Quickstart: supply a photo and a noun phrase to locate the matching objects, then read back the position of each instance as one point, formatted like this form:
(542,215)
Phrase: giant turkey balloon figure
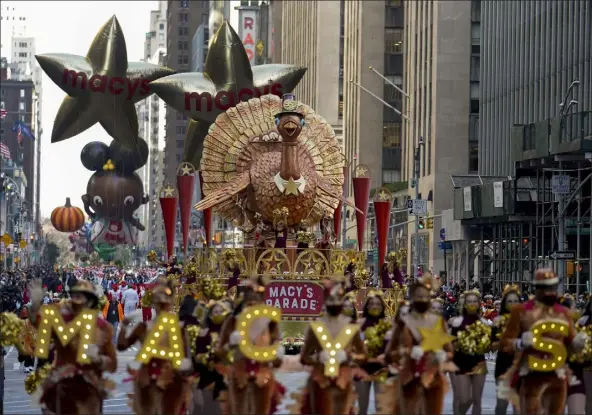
(113,193)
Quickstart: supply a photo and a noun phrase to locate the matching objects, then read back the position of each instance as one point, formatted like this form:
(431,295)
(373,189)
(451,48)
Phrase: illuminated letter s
(552,347)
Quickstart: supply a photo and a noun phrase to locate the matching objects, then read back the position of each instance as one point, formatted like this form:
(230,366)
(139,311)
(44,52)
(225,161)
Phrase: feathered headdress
(334,287)
(510,288)
(428,281)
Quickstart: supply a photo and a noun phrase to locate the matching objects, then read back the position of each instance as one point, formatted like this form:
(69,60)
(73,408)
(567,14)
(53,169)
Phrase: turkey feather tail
(225,193)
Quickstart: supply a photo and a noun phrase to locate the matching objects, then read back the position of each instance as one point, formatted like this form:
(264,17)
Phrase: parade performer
(531,383)
(374,327)
(437,306)
(503,361)
(280,217)
(113,313)
(421,347)
(27,336)
(146,304)
(583,361)
(129,299)
(473,340)
(203,341)
(71,387)
(349,306)
(387,401)
(578,362)
(252,388)
(331,391)
(158,387)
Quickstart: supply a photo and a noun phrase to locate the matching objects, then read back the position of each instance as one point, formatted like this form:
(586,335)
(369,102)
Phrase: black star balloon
(228,79)
(101,86)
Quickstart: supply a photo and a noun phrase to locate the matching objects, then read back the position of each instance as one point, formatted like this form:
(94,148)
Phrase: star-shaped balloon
(228,79)
(101,86)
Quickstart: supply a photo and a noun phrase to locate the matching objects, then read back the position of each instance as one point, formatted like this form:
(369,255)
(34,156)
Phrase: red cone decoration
(361,184)
(337,222)
(383,202)
(168,204)
(185,185)
(207,214)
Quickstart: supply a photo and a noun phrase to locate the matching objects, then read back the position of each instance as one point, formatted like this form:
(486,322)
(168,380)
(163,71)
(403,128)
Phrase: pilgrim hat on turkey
(545,277)
(289,106)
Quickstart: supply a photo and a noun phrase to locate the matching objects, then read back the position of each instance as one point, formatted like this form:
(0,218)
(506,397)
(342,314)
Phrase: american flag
(5,151)
(3,113)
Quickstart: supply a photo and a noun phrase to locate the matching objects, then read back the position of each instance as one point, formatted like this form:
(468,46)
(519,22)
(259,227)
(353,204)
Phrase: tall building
(156,38)
(532,52)
(311,38)
(183,19)
(439,44)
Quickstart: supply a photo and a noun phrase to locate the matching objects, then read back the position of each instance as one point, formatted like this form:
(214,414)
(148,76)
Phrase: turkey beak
(290,127)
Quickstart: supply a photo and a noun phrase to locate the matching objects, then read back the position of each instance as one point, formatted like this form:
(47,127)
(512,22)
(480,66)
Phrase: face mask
(549,300)
(334,310)
(471,309)
(374,312)
(348,312)
(421,306)
(218,319)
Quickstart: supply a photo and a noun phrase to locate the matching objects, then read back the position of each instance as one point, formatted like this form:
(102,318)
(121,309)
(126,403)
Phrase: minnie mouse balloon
(114,192)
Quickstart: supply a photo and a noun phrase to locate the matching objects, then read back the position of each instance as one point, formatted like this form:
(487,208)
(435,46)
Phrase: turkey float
(270,154)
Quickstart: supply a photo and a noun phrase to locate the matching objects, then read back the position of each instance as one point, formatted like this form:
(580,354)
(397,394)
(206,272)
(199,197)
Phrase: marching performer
(503,361)
(349,306)
(158,387)
(203,347)
(473,339)
(331,391)
(25,355)
(540,391)
(421,347)
(252,388)
(71,387)
(374,327)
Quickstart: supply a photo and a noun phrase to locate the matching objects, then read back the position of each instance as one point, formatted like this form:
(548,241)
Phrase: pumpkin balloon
(67,218)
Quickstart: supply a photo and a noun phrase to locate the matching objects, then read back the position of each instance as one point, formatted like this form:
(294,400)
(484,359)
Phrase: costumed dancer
(387,401)
(437,306)
(158,387)
(232,264)
(473,340)
(252,387)
(204,341)
(71,387)
(146,304)
(421,347)
(349,306)
(374,327)
(325,244)
(280,217)
(539,391)
(331,391)
(503,361)
(578,362)
(25,355)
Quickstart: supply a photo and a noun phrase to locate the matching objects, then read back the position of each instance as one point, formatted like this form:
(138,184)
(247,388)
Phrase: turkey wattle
(269,153)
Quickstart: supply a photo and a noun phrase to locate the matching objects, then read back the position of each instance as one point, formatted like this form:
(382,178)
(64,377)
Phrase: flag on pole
(21,131)
(5,151)
(3,113)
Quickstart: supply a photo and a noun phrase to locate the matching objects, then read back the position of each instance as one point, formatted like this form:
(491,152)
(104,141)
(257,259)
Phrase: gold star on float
(434,338)
(185,169)
(102,87)
(291,187)
(383,195)
(169,191)
(361,171)
(229,76)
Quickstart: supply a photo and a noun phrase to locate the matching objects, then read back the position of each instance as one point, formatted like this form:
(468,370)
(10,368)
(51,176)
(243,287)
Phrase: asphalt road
(17,401)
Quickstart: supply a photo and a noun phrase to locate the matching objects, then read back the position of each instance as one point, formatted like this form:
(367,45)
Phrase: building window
(180,143)
(474,106)
(391,176)
(22,93)
(21,106)
(179,158)
(393,40)
(161,26)
(185,59)
(161,36)
(184,4)
(391,135)
(180,59)
(179,116)
(475,68)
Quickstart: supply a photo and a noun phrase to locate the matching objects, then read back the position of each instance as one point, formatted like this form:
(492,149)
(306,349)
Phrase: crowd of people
(440,336)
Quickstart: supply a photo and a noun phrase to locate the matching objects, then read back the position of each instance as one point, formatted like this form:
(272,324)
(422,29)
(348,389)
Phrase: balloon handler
(542,333)
(113,193)
(72,387)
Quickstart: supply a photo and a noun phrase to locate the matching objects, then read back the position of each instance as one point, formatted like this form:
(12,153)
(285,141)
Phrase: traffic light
(421,224)
(430,223)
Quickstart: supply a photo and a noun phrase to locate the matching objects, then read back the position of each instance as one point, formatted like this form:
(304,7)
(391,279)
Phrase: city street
(17,401)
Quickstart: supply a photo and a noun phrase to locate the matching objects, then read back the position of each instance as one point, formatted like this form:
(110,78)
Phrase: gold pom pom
(374,337)
(474,339)
(10,328)
(34,380)
(584,356)
(151,257)
(147,299)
